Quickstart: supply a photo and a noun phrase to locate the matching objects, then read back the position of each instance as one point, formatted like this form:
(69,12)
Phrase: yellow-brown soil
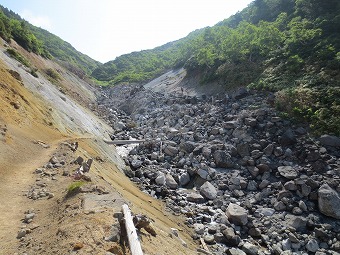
(61,224)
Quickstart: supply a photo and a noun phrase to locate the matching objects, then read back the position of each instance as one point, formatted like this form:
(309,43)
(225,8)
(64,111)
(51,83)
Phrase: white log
(134,243)
(122,142)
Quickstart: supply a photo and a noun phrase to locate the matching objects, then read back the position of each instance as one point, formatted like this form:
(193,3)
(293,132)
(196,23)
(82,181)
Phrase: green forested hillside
(146,64)
(291,46)
(294,30)
(43,43)
(65,53)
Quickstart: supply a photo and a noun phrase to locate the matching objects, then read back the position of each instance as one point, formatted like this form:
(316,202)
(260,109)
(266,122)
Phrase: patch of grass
(53,76)
(17,56)
(34,73)
(74,188)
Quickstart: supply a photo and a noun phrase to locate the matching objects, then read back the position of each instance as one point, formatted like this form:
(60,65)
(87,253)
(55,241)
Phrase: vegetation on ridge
(43,43)
(291,46)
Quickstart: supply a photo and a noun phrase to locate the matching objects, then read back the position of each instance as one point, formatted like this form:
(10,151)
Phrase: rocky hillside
(287,46)
(246,180)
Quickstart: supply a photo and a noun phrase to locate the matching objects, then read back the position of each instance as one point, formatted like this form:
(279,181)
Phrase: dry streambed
(247,181)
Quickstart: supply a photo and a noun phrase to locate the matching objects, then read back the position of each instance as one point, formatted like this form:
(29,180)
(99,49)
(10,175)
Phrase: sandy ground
(35,120)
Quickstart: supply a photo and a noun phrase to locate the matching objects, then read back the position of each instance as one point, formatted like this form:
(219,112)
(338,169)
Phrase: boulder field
(247,180)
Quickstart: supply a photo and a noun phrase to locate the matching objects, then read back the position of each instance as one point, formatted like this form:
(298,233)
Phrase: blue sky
(105,29)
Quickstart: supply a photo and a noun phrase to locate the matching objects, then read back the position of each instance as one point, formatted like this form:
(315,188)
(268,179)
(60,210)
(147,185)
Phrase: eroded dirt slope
(38,122)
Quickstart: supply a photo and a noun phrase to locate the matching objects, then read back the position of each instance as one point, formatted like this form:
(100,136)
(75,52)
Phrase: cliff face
(40,121)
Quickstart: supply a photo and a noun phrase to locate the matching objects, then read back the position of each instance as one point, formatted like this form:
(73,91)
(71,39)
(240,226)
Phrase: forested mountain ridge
(291,46)
(44,43)
(266,29)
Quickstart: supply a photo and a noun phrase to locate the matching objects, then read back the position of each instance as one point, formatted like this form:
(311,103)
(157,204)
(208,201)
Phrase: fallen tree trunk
(134,243)
(122,142)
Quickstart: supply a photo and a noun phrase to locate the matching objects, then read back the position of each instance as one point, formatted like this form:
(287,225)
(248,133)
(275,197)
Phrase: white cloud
(39,21)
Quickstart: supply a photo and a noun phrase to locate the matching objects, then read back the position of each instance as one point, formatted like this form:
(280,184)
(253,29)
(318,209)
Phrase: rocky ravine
(248,181)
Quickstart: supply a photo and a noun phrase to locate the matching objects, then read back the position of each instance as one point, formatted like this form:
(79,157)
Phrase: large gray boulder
(288,172)
(170,151)
(222,159)
(329,201)
(206,173)
(287,138)
(160,179)
(237,214)
(187,146)
(330,140)
(170,182)
(184,179)
(208,191)
(240,93)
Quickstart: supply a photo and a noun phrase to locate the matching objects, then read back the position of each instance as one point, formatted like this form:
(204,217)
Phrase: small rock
(222,159)
(243,149)
(54,160)
(21,233)
(279,206)
(235,251)
(254,232)
(136,163)
(287,138)
(78,246)
(269,149)
(199,228)
(312,245)
(209,239)
(195,198)
(297,222)
(50,195)
(29,217)
(170,151)
(264,184)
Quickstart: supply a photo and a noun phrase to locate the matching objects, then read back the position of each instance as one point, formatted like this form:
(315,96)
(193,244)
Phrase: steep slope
(39,121)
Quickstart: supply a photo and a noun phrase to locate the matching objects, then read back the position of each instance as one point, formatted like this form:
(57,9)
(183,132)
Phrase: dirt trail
(20,156)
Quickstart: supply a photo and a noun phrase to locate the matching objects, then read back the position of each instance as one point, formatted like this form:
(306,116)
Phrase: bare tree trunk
(134,243)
